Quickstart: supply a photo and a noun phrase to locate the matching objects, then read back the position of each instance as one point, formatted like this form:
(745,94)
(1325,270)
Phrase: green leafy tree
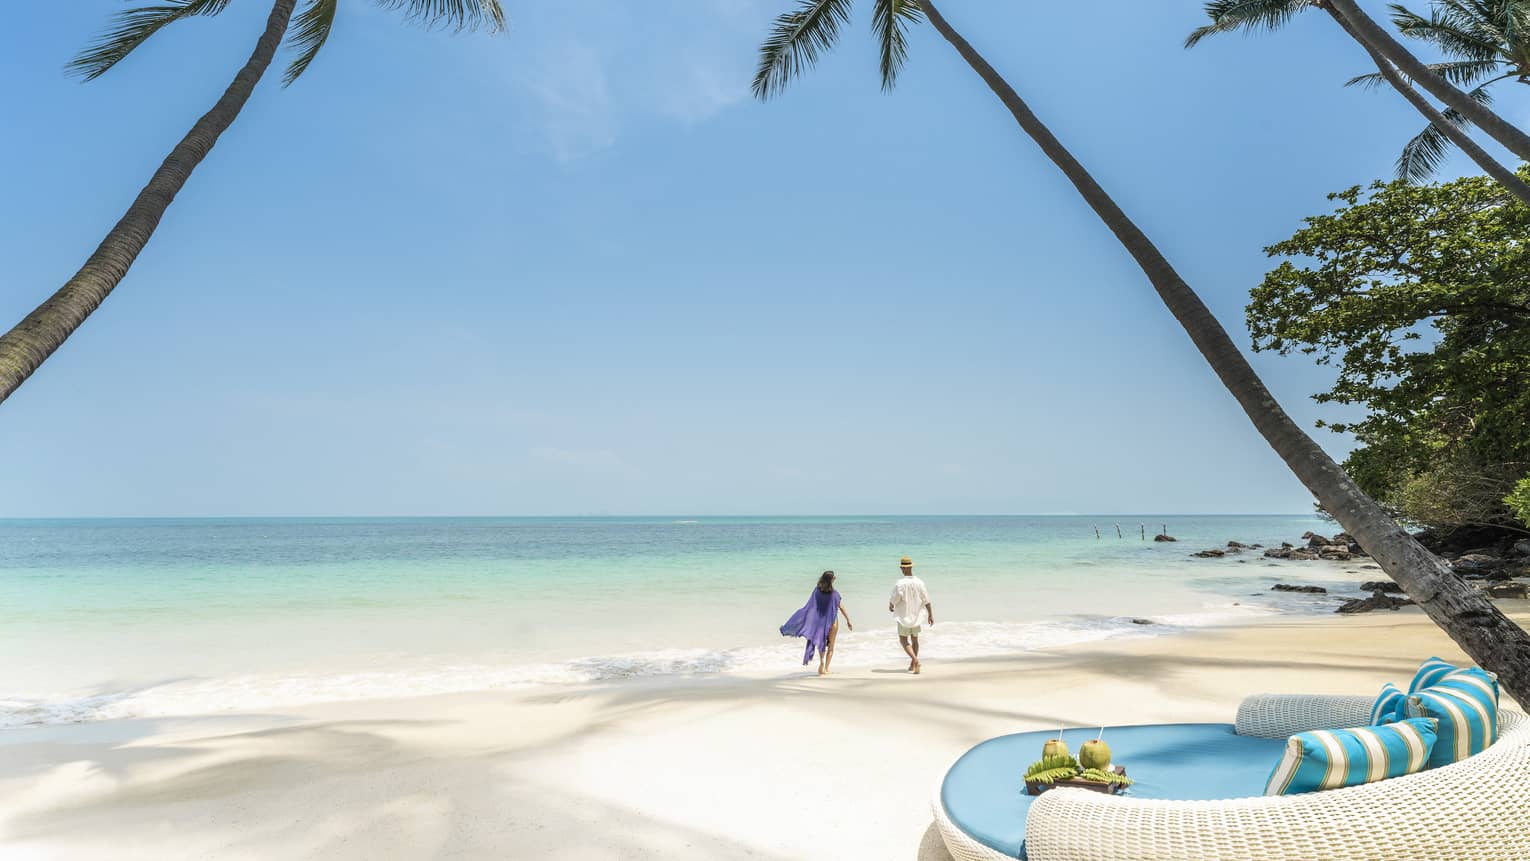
(1419,296)
(799,37)
(1424,152)
(1519,500)
(27,345)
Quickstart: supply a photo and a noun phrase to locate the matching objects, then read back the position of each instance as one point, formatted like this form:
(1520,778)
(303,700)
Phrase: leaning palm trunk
(1463,612)
(24,348)
(1368,33)
(1450,130)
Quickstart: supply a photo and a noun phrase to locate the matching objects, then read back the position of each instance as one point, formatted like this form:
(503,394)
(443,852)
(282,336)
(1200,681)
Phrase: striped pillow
(1465,703)
(1331,758)
(1430,672)
(1389,706)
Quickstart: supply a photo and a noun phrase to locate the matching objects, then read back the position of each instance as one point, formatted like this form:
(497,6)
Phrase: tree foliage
(1519,501)
(1420,297)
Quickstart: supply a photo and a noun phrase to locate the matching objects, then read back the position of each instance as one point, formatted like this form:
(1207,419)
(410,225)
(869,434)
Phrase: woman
(818,621)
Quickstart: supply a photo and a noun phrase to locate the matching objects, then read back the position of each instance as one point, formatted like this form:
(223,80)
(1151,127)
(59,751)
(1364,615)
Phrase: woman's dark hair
(826,582)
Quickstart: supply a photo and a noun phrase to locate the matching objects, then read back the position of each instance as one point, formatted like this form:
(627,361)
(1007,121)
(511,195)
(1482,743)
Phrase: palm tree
(794,44)
(26,346)
(1487,39)
(1369,33)
(1423,153)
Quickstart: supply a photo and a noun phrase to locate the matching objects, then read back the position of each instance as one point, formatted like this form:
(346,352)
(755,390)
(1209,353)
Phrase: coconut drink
(1094,753)
(1054,747)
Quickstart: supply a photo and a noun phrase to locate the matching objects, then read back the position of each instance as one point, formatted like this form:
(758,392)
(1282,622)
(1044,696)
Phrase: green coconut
(1055,747)
(1094,753)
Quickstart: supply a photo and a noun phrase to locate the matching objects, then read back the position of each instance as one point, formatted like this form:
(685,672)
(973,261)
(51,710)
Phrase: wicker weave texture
(1285,715)
(1474,810)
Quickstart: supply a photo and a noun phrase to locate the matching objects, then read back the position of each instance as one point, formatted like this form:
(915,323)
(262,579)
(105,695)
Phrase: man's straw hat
(905,562)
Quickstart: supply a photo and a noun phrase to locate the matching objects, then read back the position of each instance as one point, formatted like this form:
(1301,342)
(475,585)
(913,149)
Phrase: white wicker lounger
(1475,810)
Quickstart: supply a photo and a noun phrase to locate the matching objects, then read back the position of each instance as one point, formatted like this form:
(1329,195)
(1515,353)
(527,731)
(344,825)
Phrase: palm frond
(795,41)
(1450,29)
(1369,82)
(1422,155)
(1246,15)
(457,15)
(1461,73)
(132,28)
(889,18)
(310,29)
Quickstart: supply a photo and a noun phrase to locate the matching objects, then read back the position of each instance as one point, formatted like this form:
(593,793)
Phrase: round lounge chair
(1198,797)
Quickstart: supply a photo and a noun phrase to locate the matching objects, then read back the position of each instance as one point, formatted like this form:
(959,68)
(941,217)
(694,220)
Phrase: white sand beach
(782,767)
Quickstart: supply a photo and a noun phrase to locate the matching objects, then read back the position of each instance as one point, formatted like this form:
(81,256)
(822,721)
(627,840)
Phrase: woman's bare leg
(828,649)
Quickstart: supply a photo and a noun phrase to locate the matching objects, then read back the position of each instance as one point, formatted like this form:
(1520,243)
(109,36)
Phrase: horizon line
(590,516)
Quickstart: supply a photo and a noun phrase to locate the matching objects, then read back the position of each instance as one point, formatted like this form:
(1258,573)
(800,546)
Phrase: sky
(577,269)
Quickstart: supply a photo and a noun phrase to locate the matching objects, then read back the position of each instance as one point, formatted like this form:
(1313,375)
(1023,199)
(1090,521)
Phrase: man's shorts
(909,630)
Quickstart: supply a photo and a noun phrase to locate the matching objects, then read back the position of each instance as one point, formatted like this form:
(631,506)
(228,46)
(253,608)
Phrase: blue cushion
(1331,758)
(1430,672)
(1389,706)
(984,792)
(1465,702)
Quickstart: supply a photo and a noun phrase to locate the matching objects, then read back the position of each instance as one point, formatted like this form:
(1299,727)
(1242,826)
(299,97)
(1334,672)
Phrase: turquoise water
(115,618)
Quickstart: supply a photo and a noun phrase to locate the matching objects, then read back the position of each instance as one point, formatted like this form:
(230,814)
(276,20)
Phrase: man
(908,598)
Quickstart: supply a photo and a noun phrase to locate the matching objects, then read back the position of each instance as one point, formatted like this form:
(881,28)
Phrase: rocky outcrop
(1520,548)
(1340,548)
(1377,601)
(1381,586)
(1210,554)
(1289,587)
(1162,537)
(1511,589)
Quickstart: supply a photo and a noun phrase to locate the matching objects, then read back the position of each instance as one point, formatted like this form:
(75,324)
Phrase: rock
(1304,553)
(1210,554)
(1381,586)
(1236,545)
(1521,548)
(1334,552)
(1371,567)
(1512,589)
(1285,544)
(1377,601)
(1255,546)
(1161,537)
(1288,587)
(1478,563)
(1315,541)
(1140,621)
(1278,553)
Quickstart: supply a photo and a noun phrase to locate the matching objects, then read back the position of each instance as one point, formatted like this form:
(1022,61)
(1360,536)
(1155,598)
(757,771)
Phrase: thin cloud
(581,80)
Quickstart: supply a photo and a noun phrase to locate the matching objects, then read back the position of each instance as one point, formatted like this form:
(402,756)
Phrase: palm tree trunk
(1368,33)
(24,348)
(1462,611)
(1457,135)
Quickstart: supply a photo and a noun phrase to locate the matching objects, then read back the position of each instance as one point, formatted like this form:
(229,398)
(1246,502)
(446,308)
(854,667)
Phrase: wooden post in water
(1096,533)
(1142,527)
(1118,530)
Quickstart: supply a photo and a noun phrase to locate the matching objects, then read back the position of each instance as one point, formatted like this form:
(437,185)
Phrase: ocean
(138,618)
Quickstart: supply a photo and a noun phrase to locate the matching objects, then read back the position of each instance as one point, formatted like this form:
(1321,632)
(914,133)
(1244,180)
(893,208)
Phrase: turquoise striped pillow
(1389,706)
(1465,703)
(1430,672)
(1331,758)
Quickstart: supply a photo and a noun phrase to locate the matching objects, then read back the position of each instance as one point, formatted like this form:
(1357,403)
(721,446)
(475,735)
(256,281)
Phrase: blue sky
(576,269)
